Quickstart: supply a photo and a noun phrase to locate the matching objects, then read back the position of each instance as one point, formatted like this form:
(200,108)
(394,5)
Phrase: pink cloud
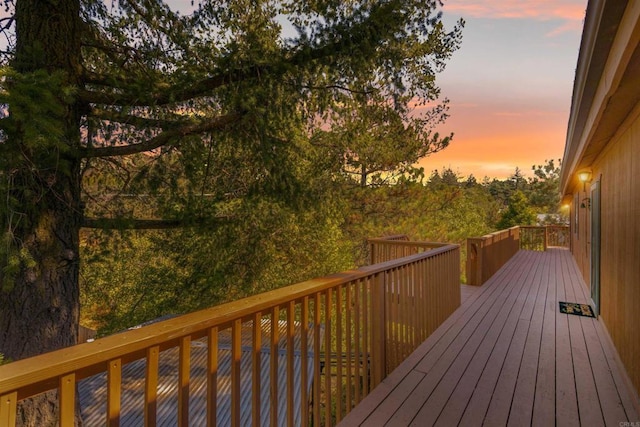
(508,114)
(567,27)
(569,10)
(525,113)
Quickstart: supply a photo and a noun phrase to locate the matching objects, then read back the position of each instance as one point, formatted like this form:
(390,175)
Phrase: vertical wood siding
(618,169)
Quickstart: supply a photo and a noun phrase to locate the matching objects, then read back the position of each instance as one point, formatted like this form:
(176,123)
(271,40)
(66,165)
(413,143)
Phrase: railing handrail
(544,226)
(495,233)
(392,247)
(400,237)
(41,373)
(430,245)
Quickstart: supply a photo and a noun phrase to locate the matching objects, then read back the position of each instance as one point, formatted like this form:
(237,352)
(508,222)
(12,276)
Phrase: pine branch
(151,224)
(341,43)
(129,119)
(165,138)
(161,94)
(131,224)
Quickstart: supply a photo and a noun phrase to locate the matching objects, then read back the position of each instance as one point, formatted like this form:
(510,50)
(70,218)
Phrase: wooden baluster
(392,293)
(8,409)
(151,387)
(236,361)
(316,359)
(291,330)
(339,358)
(411,297)
(366,331)
(304,362)
(349,335)
(422,307)
(402,315)
(67,399)
(184,362)
(327,358)
(212,378)
(256,376)
(273,364)
(377,327)
(114,384)
(357,332)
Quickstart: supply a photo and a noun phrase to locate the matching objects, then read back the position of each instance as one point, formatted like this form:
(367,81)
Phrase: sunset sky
(509,85)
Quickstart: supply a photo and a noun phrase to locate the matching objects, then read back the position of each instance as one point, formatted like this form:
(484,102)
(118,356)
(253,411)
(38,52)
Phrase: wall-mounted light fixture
(584,176)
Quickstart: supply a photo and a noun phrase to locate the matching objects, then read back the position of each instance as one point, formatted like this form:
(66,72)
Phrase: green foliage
(438,211)
(518,212)
(32,96)
(542,190)
(4,360)
(450,209)
(220,123)
(32,144)
(544,187)
(131,277)
(13,258)
(264,204)
(357,66)
(36,103)
(376,144)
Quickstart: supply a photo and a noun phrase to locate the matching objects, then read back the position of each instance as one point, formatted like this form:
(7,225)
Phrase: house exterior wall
(618,170)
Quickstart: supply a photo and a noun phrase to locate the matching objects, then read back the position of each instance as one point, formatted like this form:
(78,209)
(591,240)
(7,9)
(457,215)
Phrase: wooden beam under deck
(508,356)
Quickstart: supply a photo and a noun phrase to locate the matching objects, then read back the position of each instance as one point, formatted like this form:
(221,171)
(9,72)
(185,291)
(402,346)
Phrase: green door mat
(577,309)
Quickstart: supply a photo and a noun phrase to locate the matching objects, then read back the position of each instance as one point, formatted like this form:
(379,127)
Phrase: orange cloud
(492,141)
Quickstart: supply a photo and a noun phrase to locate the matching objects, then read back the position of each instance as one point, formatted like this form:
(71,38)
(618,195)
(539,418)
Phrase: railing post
(378,341)
(546,237)
(474,261)
(372,248)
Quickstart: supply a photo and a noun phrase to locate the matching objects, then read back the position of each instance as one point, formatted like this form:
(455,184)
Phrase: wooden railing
(557,236)
(533,238)
(393,247)
(351,328)
(539,238)
(487,254)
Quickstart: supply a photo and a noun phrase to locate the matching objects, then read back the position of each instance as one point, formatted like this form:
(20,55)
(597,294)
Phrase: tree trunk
(39,301)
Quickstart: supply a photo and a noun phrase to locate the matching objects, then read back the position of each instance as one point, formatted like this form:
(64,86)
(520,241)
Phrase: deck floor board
(451,356)
(489,355)
(507,356)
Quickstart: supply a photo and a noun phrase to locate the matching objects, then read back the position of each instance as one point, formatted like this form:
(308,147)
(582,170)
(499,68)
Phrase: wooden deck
(507,356)
(466,291)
